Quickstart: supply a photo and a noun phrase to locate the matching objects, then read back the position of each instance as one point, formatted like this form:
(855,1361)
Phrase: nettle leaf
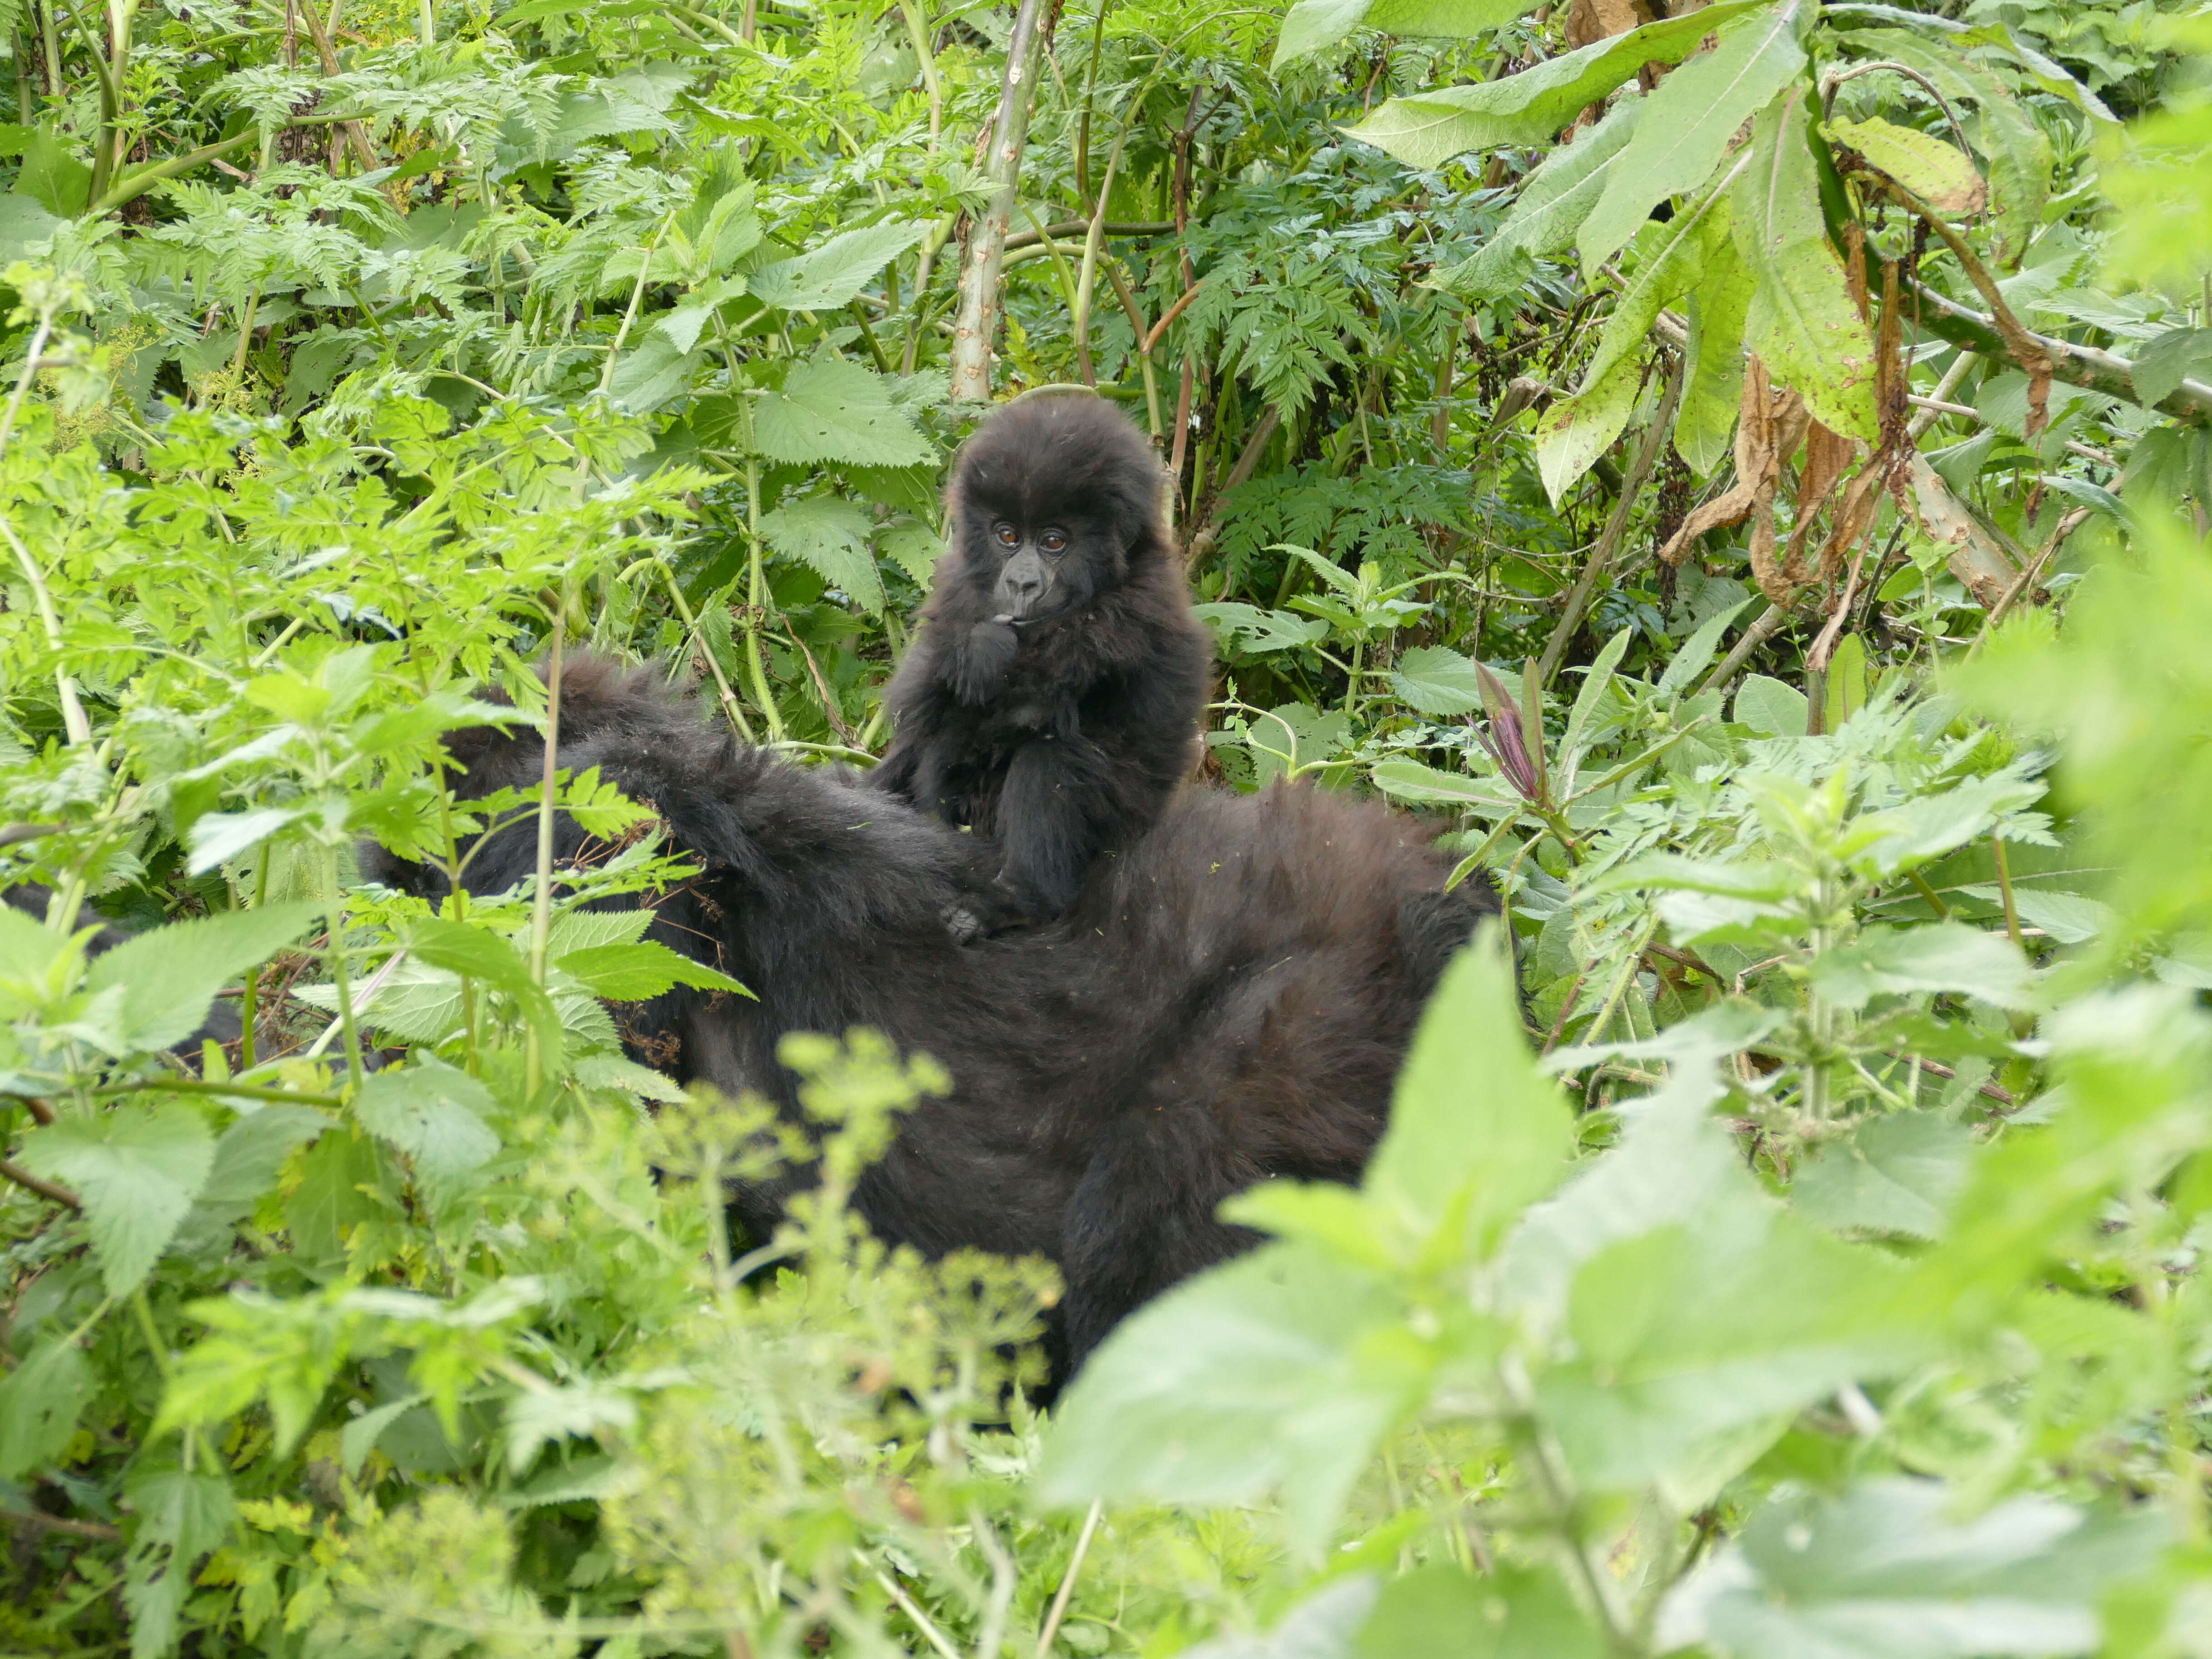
(1883,1571)
(169,976)
(833,411)
(1432,128)
(2164,361)
(137,1169)
(830,535)
(633,972)
(1929,166)
(1553,202)
(434,1114)
(39,1403)
(913,547)
(1314,26)
(1802,321)
(1509,1613)
(1944,956)
(656,369)
(832,275)
(1898,1174)
(1410,779)
(1436,680)
(1689,122)
(250,1154)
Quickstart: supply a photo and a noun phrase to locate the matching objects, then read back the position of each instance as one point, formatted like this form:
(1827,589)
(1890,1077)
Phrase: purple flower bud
(1505,742)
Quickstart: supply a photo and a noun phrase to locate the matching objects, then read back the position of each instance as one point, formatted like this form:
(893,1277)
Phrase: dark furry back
(1228,1000)
(1069,740)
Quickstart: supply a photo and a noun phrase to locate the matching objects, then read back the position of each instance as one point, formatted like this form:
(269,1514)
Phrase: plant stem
(334,910)
(976,324)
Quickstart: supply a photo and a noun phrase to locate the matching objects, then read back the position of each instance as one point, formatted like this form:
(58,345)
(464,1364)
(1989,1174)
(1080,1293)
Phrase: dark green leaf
(39,1403)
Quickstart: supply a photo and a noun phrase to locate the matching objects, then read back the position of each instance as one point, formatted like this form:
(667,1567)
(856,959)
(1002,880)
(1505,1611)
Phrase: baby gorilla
(1052,697)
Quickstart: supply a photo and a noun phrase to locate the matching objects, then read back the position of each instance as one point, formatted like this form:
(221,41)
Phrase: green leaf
(830,534)
(138,1169)
(53,177)
(1712,385)
(1271,1370)
(1321,1626)
(633,972)
(1475,1134)
(252,1152)
(1929,166)
(683,325)
(1699,650)
(1509,1613)
(1943,955)
(830,277)
(476,953)
(651,372)
(1900,1569)
(342,1180)
(23,221)
(2163,362)
(913,547)
(39,1403)
(1314,26)
(1553,202)
(1846,683)
(169,976)
(1255,632)
(1689,121)
(1436,680)
(1577,429)
(1410,779)
(434,1114)
(1431,128)
(1771,707)
(833,411)
(1803,320)
(1897,1175)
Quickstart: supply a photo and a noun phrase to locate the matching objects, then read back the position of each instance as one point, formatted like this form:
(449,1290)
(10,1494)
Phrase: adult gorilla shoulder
(1228,1000)
(1052,697)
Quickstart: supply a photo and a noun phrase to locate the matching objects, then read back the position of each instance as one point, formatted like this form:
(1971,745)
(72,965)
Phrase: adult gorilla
(1227,1000)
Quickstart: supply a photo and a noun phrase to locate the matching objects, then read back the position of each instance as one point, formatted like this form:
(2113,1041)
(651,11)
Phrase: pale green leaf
(1509,1612)
(1930,168)
(1712,383)
(833,411)
(39,1403)
(434,1114)
(830,535)
(1315,25)
(634,972)
(1943,955)
(830,277)
(1436,680)
(169,976)
(138,1169)
(1411,780)
(1550,208)
(1897,1175)
(1770,707)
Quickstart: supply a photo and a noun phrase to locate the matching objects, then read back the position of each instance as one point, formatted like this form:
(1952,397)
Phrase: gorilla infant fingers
(1227,1000)
(1058,678)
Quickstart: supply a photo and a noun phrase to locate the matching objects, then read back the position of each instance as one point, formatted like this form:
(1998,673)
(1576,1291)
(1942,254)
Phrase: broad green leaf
(1430,129)
(1276,1369)
(1512,1612)
(1576,430)
(833,411)
(653,371)
(361,1434)
(1411,780)
(1255,632)
(2067,917)
(2162,363)
(1689,121)
(169,976)
(250,1154)
(52,177)
(1929,826)
(1475,1134)
(827,278)
(475,953)
(416,1001)
(39,1403)
(218,837)
(1552,201)
(1896,1568)
(434,1114)
(1846,682)
(342,1182)
(1803,321)
(1944,956)
(1712,385)
(633,972)
(1321,1626)
(138,1169)
(1436,680)
(1699,650)
(1315,25)
(1897,1175)
(830,535)
(683,325)
(1592,694)
(1932,168)
(1770,707)
(913,547)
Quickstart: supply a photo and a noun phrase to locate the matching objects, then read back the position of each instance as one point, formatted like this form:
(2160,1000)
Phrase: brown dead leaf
(1768,428)
(1589,21)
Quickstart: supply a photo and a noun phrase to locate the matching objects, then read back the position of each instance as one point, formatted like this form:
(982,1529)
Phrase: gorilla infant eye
(1007,534)
(1054,541)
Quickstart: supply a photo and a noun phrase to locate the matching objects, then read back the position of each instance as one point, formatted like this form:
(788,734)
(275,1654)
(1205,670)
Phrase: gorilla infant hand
(978,671)
(1051,699)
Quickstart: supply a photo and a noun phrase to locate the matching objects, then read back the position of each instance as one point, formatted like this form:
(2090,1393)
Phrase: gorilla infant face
(1043,570)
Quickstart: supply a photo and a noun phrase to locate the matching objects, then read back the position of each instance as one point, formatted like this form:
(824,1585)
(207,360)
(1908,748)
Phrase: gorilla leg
(1048,820)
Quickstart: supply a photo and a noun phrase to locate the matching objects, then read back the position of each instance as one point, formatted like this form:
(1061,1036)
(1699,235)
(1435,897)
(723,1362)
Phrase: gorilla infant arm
(1052,697)
(1228,1000)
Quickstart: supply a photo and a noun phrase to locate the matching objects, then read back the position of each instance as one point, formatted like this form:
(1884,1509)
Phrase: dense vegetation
(1769,527)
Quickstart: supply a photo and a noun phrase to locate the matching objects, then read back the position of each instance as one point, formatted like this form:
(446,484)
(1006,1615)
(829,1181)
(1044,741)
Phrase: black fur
(1228,1000)
(1052,697)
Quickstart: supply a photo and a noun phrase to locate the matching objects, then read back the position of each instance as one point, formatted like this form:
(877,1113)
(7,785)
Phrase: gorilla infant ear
(1054,691)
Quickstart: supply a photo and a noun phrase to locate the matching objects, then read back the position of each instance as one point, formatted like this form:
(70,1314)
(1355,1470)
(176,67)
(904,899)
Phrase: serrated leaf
(1431,128)
(1929,166)
(1436,680)
(1553,202)
(1943,956)
(1691,118)
(252,1152)
(434,1114)
(1803,320)
(39,1403)
(654,370)
(832,275)
(832,536)
(1897,1175)
(169,976)
(833,411)
(138,1170)
(913,547)
(2162,363)
(1255,632)
(634,972)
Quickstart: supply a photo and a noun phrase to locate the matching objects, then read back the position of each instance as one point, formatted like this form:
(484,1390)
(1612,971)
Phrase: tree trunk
(977,323)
